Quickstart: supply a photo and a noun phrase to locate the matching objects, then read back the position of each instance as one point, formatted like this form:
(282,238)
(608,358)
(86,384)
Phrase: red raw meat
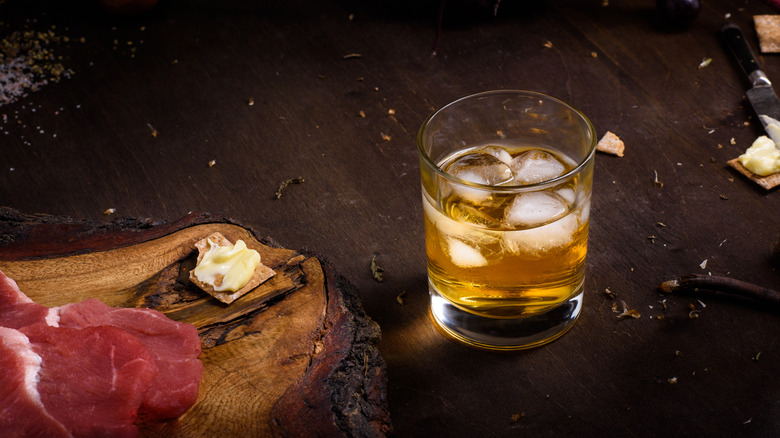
(23,413)
(17,310)
(175,347)
(91,380)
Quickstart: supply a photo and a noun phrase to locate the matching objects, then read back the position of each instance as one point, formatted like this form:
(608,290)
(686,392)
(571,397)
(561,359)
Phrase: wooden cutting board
(296,356)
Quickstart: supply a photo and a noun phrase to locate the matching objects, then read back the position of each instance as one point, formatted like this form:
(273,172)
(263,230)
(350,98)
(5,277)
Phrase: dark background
(189,70)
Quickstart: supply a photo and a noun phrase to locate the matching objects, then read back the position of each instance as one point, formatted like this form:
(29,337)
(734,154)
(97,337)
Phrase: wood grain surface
(335,91)
(259,353)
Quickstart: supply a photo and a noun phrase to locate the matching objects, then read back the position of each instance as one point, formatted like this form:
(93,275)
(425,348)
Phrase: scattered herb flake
(155,133)
(376,270)
(109,211)
(672,380)
(705,62)
(548,44)
(755,358)
(609,293)
(362,114)
(282,186)
(212,163)
(633,313)
(385,137)
(400,298)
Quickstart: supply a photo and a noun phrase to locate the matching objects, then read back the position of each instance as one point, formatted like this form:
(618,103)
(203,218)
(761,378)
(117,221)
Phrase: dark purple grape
(677,13)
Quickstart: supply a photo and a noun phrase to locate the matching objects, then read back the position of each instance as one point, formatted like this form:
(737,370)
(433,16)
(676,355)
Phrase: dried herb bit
(287,183)
(672,380)
(632,313)
(610,294)
(155,133)
(212,163)
(376,270)
(400,298)
(109,211)
(517,416)
(755,358)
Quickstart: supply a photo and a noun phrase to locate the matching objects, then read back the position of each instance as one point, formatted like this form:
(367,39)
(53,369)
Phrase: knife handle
(735,41)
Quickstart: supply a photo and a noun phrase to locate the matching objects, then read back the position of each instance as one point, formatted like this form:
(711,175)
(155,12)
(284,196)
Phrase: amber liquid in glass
(507,255)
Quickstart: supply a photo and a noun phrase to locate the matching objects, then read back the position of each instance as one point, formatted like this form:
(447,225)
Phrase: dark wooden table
(335,91)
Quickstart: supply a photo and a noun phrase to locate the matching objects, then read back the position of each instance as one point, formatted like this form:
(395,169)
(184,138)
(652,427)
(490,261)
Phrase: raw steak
(17,310)
(23,413)
(174,346)
(90,380)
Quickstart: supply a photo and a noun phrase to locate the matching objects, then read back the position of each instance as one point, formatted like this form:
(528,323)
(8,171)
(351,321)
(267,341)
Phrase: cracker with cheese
(227,271)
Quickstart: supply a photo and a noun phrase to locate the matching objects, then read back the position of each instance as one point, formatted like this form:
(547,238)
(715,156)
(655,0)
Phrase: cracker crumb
(768,30)
(611,144)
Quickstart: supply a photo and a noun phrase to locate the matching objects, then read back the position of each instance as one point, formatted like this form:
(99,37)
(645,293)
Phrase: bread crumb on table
(611,144)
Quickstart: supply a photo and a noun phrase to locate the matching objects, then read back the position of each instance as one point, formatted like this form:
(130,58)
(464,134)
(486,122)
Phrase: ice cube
(480,168)
(464,255)
(450,228)
(567,194)
(466,213)
(500,153)
(537,241)
(534,208)
(535,166)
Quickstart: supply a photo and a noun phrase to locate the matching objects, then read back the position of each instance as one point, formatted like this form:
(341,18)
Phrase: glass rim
(509,188)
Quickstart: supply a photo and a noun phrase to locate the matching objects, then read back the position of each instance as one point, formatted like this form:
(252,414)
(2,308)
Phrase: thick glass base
(505,334)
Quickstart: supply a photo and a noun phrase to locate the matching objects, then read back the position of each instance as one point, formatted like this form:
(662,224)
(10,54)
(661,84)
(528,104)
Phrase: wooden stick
(695,282)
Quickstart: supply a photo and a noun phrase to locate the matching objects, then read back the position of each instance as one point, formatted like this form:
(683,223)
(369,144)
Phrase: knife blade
(761,95)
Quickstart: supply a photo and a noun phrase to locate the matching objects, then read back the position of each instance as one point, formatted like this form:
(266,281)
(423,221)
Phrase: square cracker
(611,144)
(261,274)
(768,182)
(768,30)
